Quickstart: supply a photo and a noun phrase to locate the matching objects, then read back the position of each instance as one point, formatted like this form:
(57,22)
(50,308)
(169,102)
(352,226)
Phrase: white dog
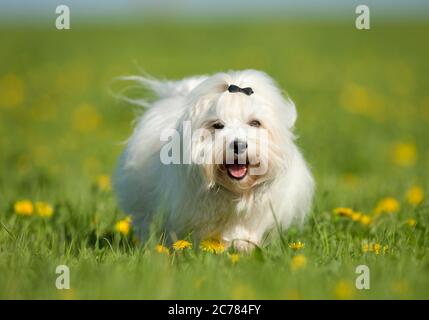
(230,182)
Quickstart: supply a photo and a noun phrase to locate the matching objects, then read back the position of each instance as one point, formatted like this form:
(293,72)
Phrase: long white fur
(190,202)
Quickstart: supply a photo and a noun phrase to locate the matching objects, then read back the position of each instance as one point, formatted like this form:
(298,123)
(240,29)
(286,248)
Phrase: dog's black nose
(239,146)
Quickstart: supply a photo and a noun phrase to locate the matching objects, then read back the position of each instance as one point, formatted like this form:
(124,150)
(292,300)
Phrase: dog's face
(239,141)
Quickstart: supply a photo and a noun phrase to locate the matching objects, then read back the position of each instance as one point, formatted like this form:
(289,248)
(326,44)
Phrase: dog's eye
(254,123)
(218,125)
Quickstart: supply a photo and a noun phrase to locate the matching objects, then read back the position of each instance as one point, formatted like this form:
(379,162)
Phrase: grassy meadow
(363,125)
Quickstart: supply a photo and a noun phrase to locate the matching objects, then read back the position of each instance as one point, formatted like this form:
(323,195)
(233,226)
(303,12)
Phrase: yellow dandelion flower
(181,245)
(360,100)
(343,290)
(387,205)
(243,292)
(400,287)
(405,154)
(356,216)
(198,283)
(162,249)
(376,248)
(411,222)
(298,262)
(415,195)
(344,212)
(297,245)
(44,209)
(24,208)
(104,183)
(68,294)
(293,295)
(365,220)
(366,247)
(234,257)
(123,226)
(11,91)
(212,246)
(86,119)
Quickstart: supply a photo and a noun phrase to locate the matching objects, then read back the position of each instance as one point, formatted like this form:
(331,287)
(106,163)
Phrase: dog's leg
(241,238)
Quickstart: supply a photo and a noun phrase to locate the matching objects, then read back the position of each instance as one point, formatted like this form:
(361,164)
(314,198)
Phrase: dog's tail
(163,89)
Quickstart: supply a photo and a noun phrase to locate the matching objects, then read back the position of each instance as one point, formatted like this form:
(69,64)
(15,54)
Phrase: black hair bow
(233,88)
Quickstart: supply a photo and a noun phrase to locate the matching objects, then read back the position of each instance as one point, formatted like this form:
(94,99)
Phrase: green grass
(358,93)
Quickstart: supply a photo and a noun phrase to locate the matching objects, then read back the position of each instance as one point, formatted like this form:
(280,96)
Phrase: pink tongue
(237,170)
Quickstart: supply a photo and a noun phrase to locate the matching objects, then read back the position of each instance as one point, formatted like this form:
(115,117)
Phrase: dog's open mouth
(236,171)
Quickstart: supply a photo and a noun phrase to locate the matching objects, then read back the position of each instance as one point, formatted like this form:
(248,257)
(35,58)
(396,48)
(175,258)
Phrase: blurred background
(361,95)
(131,11)
(362,98)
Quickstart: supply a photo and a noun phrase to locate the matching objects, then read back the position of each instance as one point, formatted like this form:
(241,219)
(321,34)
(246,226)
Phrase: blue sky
(123,9)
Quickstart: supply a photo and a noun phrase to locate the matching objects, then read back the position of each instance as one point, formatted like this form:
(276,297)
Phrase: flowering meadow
(363,124)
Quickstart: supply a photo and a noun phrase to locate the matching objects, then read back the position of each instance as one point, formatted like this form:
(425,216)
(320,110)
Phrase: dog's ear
(291,113)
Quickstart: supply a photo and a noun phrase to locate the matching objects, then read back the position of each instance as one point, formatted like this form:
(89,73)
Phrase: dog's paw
(245,246)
